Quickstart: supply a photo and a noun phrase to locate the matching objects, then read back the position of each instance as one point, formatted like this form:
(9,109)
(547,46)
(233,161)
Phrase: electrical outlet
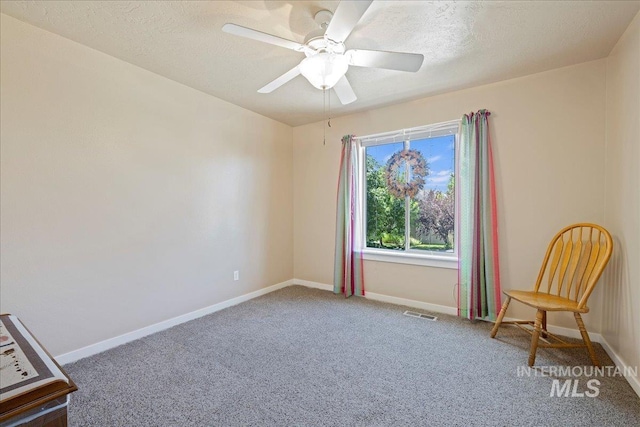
(236,275)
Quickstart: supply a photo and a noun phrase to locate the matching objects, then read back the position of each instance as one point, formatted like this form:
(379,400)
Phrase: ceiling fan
(327,59)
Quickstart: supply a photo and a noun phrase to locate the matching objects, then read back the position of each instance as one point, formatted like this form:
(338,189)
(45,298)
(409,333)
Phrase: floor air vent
(420,315)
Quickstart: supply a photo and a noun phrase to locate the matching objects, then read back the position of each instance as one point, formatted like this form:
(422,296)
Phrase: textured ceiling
(464,43)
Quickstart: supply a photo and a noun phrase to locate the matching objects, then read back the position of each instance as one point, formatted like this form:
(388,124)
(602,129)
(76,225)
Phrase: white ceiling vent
(420,315)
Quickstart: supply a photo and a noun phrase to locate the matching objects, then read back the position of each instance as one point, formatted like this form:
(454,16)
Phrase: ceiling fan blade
(388,60)
(344,91)
(345,18)
(289,75)
(262,37)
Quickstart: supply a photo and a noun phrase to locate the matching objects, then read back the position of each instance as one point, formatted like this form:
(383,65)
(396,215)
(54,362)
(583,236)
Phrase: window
(418,228)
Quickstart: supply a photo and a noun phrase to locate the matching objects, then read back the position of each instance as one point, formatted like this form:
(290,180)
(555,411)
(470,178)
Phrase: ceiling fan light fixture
(324,69)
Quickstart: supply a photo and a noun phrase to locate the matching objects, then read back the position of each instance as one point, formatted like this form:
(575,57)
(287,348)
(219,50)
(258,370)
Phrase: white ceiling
(464,44)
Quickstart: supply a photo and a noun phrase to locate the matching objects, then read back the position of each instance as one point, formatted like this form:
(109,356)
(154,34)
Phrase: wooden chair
(574,261)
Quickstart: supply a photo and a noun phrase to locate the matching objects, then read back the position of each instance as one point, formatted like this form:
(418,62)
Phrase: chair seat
(546,302)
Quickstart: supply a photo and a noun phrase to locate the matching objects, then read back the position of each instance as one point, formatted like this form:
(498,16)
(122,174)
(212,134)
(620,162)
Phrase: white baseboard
(315,285)
(573,333)
(385,298)
(107,344)
(634,382)
(412,303)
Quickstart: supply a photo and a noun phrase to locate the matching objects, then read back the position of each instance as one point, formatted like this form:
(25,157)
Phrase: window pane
(385,213)
(432,213)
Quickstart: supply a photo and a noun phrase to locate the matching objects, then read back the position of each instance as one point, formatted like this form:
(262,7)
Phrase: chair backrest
(574,261)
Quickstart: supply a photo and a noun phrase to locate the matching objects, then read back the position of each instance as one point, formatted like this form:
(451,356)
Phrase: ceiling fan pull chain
(329,121)
(324,112)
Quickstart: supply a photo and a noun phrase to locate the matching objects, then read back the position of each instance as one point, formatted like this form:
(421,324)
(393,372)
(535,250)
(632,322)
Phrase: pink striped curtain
(478,260)
(348,274)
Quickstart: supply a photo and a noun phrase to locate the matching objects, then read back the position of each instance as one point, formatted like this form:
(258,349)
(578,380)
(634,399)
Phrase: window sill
(437,261)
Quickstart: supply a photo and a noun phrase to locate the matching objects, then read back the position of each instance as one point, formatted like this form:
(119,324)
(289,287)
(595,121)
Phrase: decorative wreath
(411,159)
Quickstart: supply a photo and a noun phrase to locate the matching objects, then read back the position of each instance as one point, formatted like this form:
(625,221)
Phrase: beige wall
(127,198)
(548,137)
(621,318)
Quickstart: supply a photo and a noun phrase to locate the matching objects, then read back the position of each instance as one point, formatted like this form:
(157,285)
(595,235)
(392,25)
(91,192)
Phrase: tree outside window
(424,222)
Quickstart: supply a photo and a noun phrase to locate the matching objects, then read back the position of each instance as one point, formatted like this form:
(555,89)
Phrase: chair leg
(585,338)
(544,325)
(503,310)
(537,329)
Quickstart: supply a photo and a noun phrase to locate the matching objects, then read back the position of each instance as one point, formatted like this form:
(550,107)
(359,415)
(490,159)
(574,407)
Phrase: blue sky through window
(438,152)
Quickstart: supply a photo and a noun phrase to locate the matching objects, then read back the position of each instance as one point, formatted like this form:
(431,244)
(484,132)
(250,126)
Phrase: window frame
(408,255)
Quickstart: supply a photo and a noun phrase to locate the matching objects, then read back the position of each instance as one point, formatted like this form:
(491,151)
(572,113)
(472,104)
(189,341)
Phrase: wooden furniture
(34,389)
(574,261)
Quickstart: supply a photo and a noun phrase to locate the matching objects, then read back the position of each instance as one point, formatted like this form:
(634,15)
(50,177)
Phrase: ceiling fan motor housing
(320,44)
(316,39)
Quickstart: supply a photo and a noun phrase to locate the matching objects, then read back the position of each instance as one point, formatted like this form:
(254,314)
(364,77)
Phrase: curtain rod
(404,132)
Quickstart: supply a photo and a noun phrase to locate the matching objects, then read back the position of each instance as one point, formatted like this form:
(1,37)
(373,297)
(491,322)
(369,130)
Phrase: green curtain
(478,259)
(348,268)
